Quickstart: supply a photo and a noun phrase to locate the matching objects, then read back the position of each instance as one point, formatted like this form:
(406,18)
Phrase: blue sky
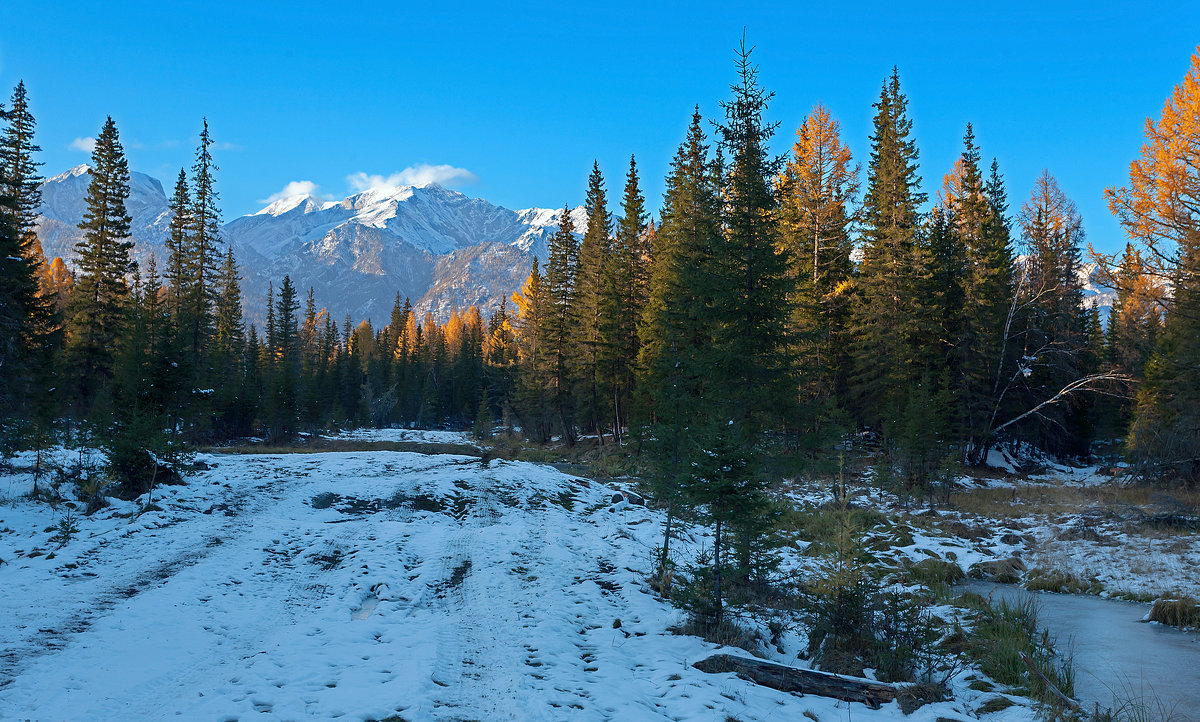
(521,99)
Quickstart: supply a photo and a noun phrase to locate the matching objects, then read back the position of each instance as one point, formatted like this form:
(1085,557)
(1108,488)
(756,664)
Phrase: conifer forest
(845,391)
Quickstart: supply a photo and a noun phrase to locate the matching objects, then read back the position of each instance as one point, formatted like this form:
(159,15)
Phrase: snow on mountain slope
(63,206)
(360,585)
(438,247)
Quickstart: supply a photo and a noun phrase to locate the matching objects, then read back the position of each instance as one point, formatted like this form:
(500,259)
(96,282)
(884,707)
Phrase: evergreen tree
(140,450)
(562,320)
(531,399)
(594,335)
(204,237)
(232,407)
(28,318)
(99,304)
(748,384)
(286,355)
(673,331)
(179,245)
(625,294)
(890,324)
(978,302)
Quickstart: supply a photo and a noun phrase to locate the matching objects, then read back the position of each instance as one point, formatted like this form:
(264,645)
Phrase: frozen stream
(1115,652)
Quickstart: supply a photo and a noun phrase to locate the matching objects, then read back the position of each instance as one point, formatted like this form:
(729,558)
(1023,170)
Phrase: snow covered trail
(358,585)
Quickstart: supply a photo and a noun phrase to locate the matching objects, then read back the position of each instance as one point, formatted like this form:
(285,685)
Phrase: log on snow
(803,681)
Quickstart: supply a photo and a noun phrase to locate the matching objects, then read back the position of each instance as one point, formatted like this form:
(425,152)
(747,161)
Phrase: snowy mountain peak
(81,169)
(305,202)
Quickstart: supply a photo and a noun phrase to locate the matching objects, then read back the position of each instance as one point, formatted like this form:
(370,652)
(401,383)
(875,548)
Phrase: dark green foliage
(1165,437)
(591,340)
(562,319)
(137,435)
(28,320)
(890,321)
(98,311)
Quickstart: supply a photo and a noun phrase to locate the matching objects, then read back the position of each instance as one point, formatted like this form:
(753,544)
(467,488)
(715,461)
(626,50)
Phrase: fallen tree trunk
(803,681)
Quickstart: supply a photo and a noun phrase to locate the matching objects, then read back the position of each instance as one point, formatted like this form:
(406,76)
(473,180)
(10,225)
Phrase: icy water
(1115,652)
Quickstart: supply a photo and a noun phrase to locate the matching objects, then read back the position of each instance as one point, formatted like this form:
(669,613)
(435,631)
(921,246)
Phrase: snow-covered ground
(1087,528)
(361,585)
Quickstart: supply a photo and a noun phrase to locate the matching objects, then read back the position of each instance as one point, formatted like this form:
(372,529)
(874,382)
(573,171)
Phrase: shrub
(1182,612)
(935,572)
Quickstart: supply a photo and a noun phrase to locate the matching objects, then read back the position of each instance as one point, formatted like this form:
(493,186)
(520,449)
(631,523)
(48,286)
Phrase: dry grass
(1183,612)
(1132,503)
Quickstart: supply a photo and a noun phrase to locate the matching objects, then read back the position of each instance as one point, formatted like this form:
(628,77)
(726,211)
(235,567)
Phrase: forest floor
(379,576)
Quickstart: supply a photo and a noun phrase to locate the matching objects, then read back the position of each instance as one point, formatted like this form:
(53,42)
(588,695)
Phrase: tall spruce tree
(531,398)
(97,315)
(592,337)
(562,320)
(28,318)
(748,381)
(178,276)
(673,330)
(890,323)
(203,255)
(624,298)
(228,353)
(976,312)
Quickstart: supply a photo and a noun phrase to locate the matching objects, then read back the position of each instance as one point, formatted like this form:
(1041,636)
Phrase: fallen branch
(1087,383)
(1070,703)
(802,681)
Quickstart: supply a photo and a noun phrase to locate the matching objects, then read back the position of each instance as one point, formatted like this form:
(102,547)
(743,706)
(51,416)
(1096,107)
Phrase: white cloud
(295,188)
(87,145)
(415,175)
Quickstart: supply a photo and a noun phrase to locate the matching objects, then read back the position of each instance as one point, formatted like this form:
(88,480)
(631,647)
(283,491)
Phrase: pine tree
(178,244)
(593,335)
(99,304)
(228,353)
(286,354)
(202,258)
(890,324)
(562,320)
(28,317)
(625,294)
(748,384)
(532,398)
(139,448)
(978,298)
(673,331)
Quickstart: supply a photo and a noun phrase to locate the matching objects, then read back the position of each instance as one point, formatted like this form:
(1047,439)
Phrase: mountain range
(437,247)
